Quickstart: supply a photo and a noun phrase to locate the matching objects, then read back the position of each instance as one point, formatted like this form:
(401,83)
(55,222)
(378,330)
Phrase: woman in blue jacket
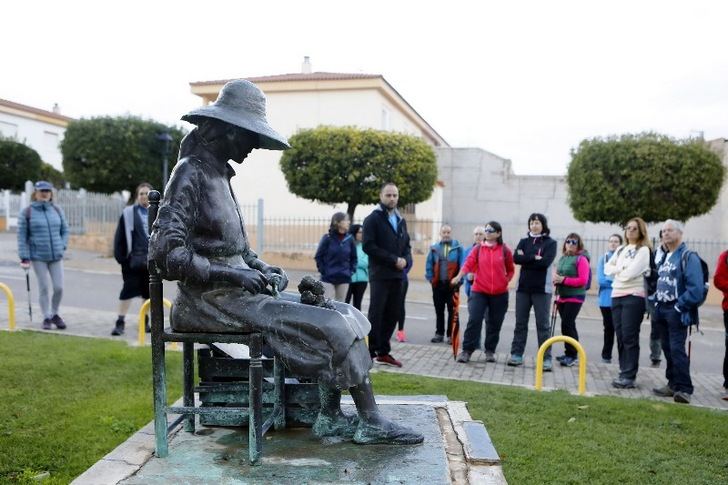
(360,278)
(605,298)
(336,257)
(42,240)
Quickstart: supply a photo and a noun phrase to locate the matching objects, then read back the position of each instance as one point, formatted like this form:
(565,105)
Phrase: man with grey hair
(678,295)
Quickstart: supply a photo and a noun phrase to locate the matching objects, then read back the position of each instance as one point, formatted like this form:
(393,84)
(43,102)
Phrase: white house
(307,100)
(39,129)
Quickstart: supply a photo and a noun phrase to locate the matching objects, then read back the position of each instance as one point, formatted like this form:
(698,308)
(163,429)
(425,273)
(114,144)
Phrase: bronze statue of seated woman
(199,239)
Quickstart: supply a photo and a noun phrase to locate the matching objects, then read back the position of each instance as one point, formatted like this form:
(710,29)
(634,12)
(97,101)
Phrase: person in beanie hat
(199,239)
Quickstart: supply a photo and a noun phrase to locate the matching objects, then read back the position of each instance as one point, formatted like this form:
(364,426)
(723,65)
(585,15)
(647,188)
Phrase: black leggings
(608,332)
(356,290)
(568,312)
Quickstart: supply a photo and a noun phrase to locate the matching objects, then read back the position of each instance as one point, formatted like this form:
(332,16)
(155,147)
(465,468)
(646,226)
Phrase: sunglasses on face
(490,230)
(575,242)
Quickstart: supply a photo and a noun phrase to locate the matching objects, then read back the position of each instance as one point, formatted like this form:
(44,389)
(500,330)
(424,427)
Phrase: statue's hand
(282,277)
(251,279)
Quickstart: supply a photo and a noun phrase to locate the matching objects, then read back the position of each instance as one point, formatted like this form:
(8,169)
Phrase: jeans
(384,311)
(627,312)
(356,290)
(673,335)
(568,312)
(443,296)
(49,275)
(725,358)
(608,332)
(480,304)
(540,303)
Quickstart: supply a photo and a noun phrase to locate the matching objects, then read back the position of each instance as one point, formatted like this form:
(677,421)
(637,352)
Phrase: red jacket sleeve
(510,268)
(721,273)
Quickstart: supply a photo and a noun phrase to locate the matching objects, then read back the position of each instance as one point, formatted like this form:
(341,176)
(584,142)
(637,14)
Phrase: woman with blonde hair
(628,266)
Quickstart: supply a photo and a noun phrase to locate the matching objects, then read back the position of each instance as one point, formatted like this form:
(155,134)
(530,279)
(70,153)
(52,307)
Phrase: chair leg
(279,388)
(159,383)
(255,396)
(188,357)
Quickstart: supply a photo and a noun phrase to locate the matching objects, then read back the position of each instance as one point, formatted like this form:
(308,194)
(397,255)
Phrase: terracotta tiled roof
(30,109)
(314,76)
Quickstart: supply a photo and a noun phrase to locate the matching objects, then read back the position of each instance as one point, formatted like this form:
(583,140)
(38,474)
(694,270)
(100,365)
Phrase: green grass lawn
(66,402)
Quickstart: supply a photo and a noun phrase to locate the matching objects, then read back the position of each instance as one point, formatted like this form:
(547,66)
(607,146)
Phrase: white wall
(42,137)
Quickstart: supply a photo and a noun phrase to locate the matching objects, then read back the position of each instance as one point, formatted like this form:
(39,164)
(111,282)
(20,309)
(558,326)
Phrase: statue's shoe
(342,425)
(388,433)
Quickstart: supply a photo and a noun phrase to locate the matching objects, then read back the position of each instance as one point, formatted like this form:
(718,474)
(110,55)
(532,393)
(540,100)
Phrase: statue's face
(241,143)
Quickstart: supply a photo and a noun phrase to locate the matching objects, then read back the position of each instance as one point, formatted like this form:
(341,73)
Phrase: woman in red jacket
(721,282)
(492,264)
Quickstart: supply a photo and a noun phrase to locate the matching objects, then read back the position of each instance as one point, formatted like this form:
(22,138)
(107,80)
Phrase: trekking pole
(554,311)
(27,287)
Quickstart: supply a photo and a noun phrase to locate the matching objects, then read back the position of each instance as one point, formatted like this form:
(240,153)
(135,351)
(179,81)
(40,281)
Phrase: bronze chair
(254,386)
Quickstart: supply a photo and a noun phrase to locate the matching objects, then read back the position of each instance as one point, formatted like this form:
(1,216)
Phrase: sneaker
(515,360)
(448,341)
(58,322)
(400,336)
(560,358)
(489,356)
(663,391)
(118,328)
(606,361)
(681,397)
(655,363)
(548,365)
(463,357)
(437,339)
(569,361)
(725,394)
(622,383)
(47,324)
(387,360)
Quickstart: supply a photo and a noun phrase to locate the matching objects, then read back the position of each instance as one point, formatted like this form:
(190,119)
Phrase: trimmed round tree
(348,165)
(108,154)
(18,163)
(647,175)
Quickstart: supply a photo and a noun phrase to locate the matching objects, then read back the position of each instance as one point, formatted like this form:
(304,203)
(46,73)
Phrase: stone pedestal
(456,450)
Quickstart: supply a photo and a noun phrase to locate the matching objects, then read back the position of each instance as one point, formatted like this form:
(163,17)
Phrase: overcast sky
(525,80)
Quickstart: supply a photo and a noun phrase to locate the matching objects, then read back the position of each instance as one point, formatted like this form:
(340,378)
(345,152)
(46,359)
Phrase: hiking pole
(554,311)
(27,287)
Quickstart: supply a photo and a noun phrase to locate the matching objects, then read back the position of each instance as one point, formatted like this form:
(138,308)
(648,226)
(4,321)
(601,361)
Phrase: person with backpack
(443,263)
(605,297)
(492,263)
(535,253)
(336,257)
(680,291)
(627,267)
(721,282)
(571,276)
(42,240)
(131,247)
(656,258)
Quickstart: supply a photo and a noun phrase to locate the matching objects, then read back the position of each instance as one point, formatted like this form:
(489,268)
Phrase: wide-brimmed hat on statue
(241,103)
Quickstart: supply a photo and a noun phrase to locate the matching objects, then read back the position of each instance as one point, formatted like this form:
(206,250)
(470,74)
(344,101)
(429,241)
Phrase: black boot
(147,327)
(118,327)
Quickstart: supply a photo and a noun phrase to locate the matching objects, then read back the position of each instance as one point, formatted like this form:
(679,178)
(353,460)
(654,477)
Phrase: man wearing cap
(199,239)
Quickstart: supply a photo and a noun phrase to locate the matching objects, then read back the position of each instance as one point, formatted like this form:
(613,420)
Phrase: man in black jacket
(387,243)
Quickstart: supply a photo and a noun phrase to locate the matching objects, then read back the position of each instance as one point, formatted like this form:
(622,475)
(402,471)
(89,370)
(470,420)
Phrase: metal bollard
(11,306)
(142,313)
(579,350)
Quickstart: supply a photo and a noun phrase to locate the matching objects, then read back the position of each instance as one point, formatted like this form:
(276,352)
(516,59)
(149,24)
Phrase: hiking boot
(58,322)
(622,383)
(655,363)
(663,391)
(569,361)
(437,339)
(681,397)
(725,394)
(489,356)
(548,365)
(47,324)
(401,336)
(118,328)
(464,357)
(387,360)
(515,360)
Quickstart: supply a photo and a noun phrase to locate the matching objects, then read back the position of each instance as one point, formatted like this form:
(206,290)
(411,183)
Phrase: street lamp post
(166,139)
